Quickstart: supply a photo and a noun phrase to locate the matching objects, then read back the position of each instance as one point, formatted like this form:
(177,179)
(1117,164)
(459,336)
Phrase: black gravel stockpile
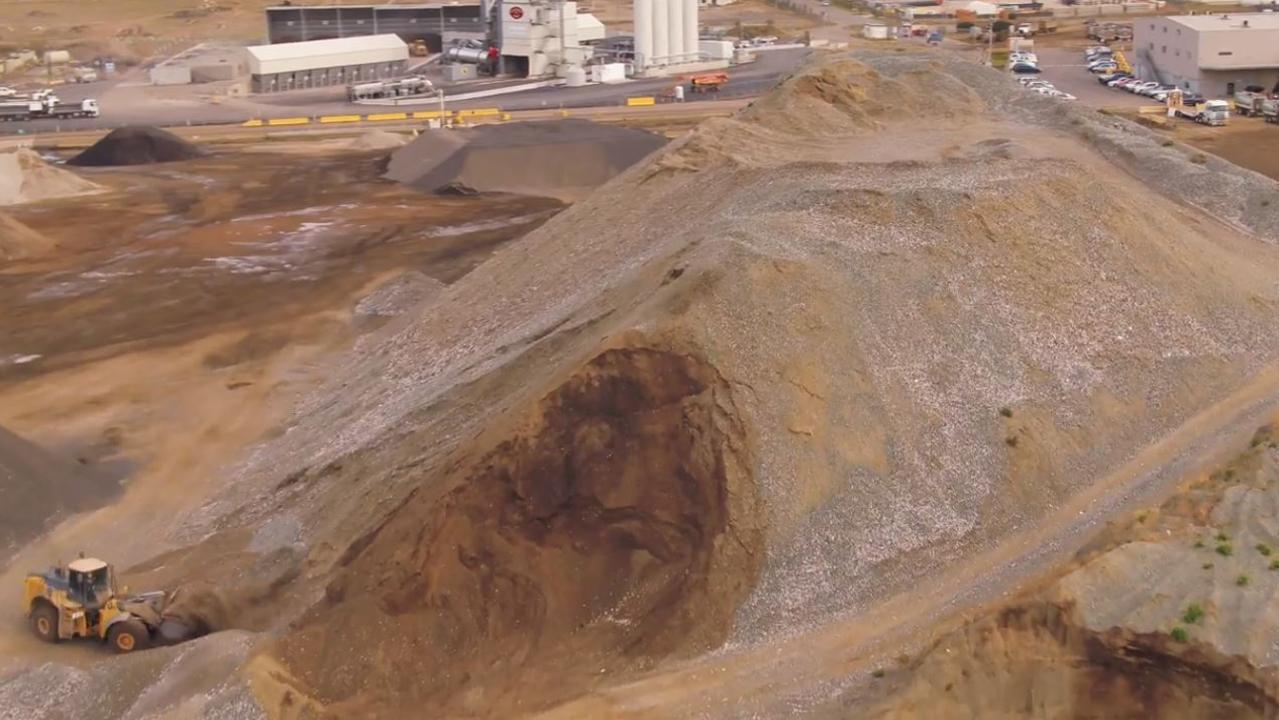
(138,145)
(566,159)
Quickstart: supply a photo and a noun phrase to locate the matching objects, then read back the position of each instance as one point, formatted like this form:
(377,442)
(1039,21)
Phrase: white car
(1061,95)
(7,92)
(1137,88)
(1023,56)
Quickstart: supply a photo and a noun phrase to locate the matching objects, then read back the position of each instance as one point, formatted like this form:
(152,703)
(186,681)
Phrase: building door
(1230,89)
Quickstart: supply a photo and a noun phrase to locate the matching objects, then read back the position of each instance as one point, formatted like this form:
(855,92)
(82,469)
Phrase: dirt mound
(137,145)
(26,177)
(564,159)
(769,381)
(595,535)
(19,242)
(378,140)
(38,488)
(1165,614)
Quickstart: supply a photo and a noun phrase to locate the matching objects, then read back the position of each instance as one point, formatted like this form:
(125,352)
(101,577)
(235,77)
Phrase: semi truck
(403,87)
(49,108)
(1213,112)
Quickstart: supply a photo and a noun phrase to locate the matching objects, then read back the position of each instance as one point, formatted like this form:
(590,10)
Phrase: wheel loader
(80,600)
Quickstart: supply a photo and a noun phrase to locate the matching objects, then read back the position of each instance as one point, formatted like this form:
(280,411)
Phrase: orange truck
(709,82)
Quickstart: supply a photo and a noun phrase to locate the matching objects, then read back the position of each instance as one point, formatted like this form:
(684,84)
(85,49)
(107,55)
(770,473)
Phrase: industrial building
(1209,54)
(428,22)
(317,63)
(542,38)
(205,63)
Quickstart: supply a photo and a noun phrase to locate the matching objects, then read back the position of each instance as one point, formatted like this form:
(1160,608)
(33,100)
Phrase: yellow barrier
(431,114)
(484,112)
(339,119)
(387,116)
(289,121)
(640,101)
(251,123)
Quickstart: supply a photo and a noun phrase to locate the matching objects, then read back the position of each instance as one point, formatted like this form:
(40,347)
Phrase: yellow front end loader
(80,600)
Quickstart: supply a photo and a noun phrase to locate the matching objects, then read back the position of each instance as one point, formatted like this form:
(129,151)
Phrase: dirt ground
(184,310)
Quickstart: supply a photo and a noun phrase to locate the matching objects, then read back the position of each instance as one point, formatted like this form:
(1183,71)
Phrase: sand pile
(1166,614)
(19,242)
(564,159)
(26,177)
(752,388)
(138,145)
(38,488)
(378,140)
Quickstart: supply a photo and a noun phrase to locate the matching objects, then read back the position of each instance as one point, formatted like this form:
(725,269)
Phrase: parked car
(1107,78)
(1192,99)
(1142,88)
(1062,95)
(1025,67)
(1021,56)
(1123,83)
(7,91)
(1161,93)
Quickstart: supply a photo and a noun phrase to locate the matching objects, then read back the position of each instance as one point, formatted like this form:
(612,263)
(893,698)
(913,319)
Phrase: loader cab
(90,582)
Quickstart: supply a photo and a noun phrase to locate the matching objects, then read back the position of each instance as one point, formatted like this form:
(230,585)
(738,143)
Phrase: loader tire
(44,622)
(128,636)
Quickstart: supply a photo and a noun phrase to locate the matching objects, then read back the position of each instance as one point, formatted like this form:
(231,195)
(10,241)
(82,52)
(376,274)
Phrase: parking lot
(1065,69)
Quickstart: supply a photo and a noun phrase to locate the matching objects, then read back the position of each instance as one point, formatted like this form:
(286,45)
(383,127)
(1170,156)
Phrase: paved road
(129,104)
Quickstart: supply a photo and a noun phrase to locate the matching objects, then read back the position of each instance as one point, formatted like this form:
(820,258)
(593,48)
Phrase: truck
(1213,112)
(1249,100)
(48,108)
(403,87)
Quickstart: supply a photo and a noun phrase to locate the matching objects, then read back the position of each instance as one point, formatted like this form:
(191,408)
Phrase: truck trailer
(1213,112)
(47,109)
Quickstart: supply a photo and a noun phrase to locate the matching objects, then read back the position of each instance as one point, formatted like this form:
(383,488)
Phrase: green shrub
(1207,566)
(1242,581)
(1194,613)
(1225,550)
(1006,411)
(1199,544)
(1179,634)
(1222,537)
(1274,564)
(877,673)
(1264,549)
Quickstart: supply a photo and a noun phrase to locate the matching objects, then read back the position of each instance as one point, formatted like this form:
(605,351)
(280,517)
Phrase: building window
(1163,49)
(1226,52)
(1152,46)
(1165,30)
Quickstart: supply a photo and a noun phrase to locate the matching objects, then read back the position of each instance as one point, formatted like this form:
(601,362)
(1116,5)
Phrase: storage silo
(676,33)
(644,32)
(690,30)
(661,32)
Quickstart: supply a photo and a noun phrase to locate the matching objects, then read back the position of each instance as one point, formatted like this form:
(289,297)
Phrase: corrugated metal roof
(335,46)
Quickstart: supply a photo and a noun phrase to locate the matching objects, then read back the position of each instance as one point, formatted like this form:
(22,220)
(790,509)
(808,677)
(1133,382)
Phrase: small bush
(1207,566)
(1006,411)
(1011,441)
(1167,143)
(1242,580)
(1264,549)
(1225,550)
(877,673)
(1179,634)
(1199,544)
(1141,516)
(1194,613)
(1222,537)
(1274,564)
(1199,159)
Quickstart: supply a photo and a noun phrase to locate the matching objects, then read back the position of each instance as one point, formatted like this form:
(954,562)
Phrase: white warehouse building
(316,63)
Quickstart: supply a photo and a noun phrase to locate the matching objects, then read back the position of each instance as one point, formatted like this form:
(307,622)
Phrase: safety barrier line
(328,119)
(640,101)
(482,112)
(289,121)
(432,114)
(378,117)
(252,123)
